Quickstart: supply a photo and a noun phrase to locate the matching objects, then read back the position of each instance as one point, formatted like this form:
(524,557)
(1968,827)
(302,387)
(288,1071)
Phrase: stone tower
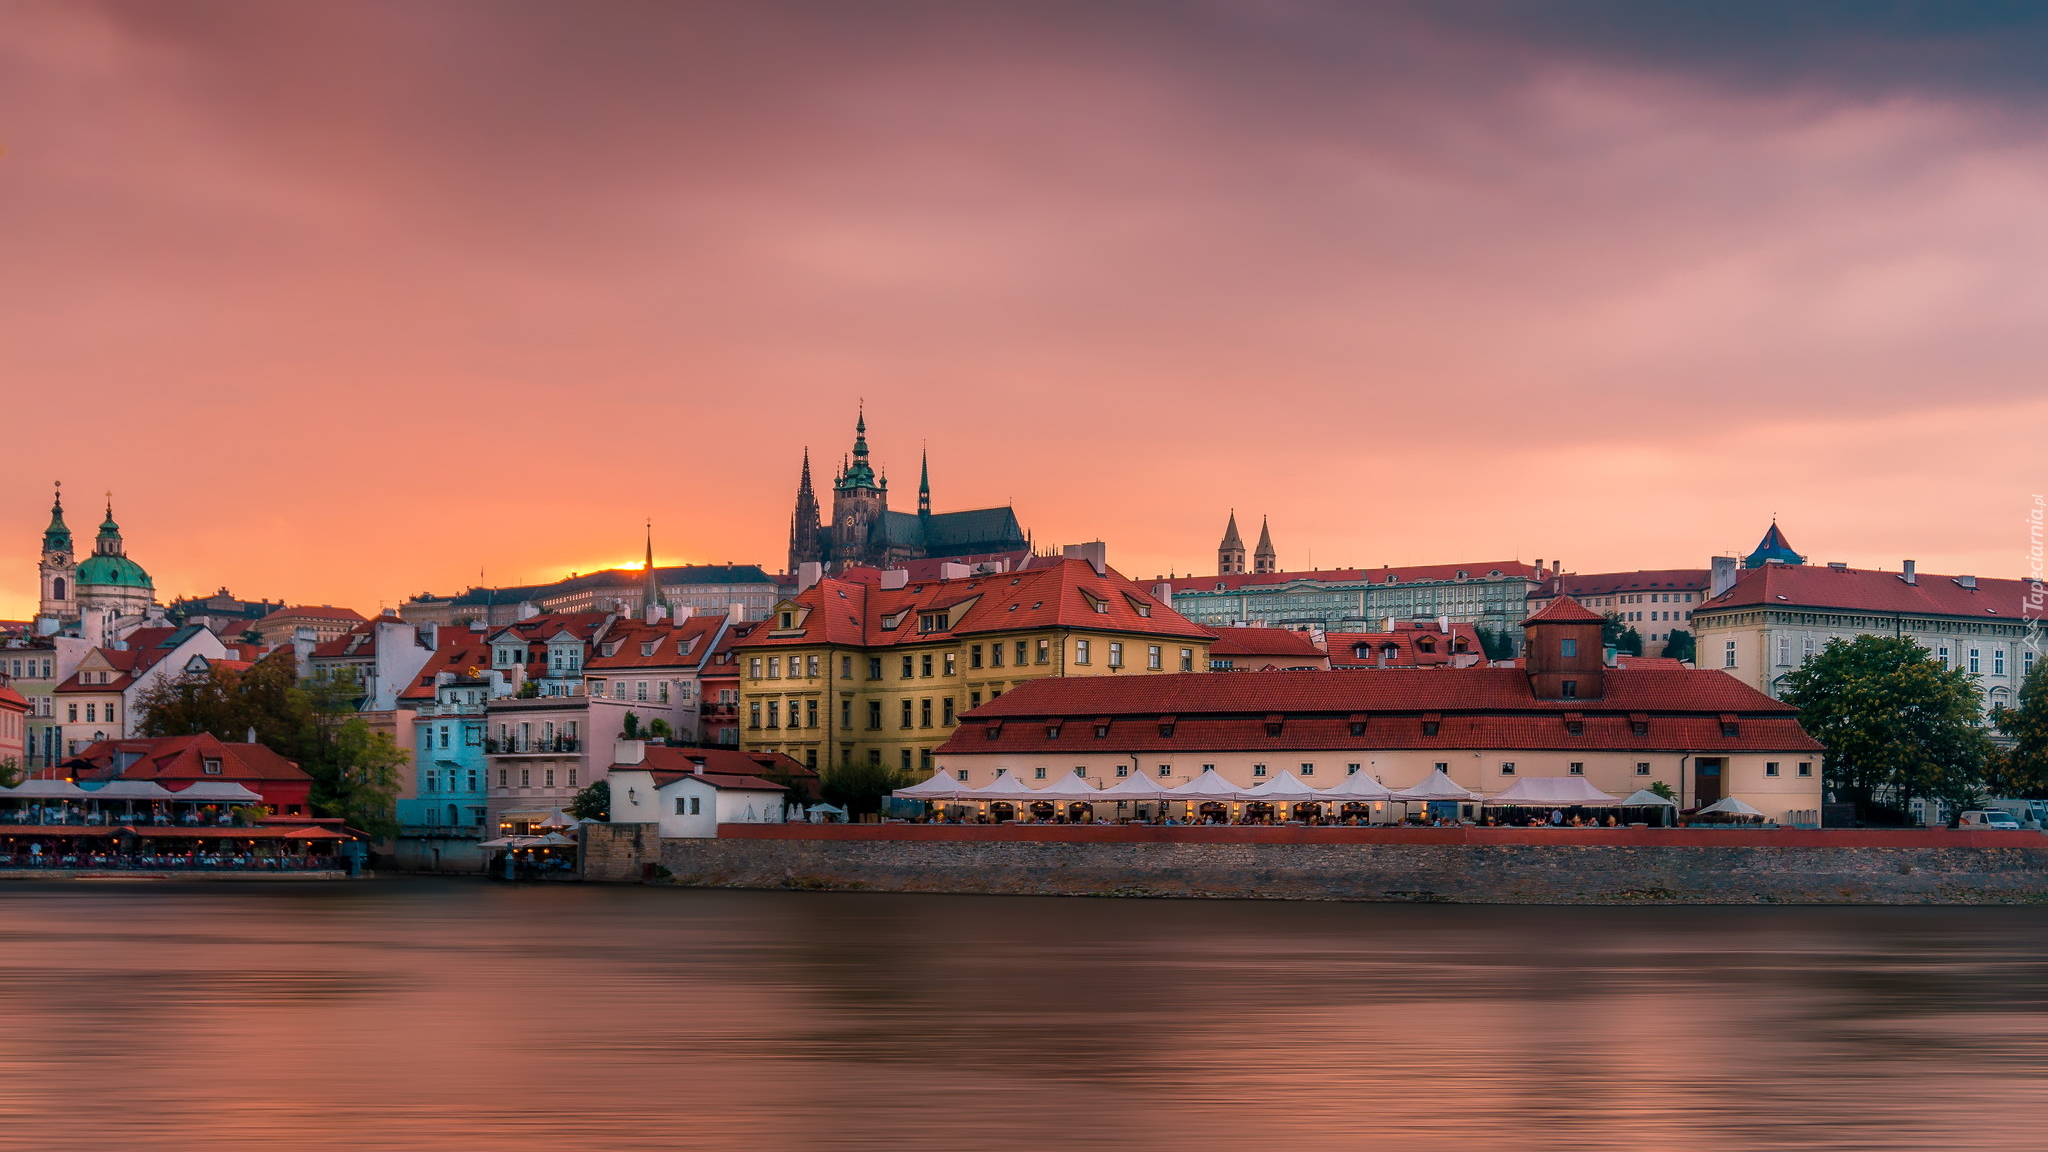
(859,500)
(1230,553)
(1263,557)
(806,536)
(59,583)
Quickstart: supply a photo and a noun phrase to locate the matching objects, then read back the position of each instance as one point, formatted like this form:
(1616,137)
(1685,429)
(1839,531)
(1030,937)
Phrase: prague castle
(864,531)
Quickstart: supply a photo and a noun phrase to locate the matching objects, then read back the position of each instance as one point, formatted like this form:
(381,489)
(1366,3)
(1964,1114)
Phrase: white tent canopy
(1004,787)
(1436,786)
(1207,786)
(1070,787)
(1553,792)
(1358,786)
(1286,788)
(216,791)
(47,790)
(1136,786)
(131,790)
(1644,798)
(939,787)
(1728,806)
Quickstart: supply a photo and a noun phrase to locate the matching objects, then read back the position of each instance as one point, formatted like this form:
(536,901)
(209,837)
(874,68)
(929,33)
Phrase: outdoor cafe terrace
(139,825)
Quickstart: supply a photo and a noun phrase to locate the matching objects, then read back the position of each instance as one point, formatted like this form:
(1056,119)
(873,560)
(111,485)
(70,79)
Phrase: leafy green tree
(632,726)
(1660,788)
(1680,645)
(859,787)
(11,772)
(1896,723)
(660,729)
(593,803)
(1496,643)
(528,690)
(2022,769)
(1620,635)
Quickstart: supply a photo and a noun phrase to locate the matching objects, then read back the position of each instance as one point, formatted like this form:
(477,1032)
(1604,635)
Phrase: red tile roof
(311,612)
(1278,642)
(456,650)
(1565,610)
(1865,590)
(1609,583)
(671,764)
(9,698)
(1473,707)
(668,636)
(1400,646)
(165,758)
(1065,593)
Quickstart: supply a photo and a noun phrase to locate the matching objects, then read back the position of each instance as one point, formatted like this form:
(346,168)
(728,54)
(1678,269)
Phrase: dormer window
(1102,728)
(789,620)
(647,647)
(1358,724)
(932,622)
(1052,731)
(1575,724)
(1639,723)
(994,729)
(1432,723)
(1274,723)
(1570,688)
(210,765)
(1166,724)
(1731,728)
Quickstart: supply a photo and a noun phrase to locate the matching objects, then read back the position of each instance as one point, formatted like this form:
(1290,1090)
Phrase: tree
(593,803)
(659,729)
(2022,769)
(1621,636)
(356,776)
(632,727)
(1496,643)
(1660,788)
(1897,724)
(859,787)
(11,772)
(1680,645)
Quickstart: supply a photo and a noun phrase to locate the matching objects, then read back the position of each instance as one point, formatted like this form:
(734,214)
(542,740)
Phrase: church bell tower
(59,580)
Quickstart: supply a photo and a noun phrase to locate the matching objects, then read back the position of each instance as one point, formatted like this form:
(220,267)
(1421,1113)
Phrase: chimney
(951,571)
(893,578)
(1909,575)
(1443,625)
(735,613)
(251,738)
(629,752)
(93,627)
(526,610)
(1722,577)
(1095,552)
(808,574)
(1163,592)
(1540,574)
(655,613)
(429,636)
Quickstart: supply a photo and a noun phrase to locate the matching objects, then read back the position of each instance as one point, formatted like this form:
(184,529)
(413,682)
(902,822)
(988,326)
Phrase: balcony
(536,746)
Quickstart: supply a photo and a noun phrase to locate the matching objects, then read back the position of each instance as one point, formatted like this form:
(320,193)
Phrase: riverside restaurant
(141,826)
(1358,799)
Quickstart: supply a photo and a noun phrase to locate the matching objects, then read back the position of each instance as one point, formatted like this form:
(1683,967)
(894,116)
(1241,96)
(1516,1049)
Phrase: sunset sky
(348,301)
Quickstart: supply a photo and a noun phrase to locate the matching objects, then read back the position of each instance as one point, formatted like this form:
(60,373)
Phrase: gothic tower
(1263,557)
(859,501)
(60,588)
(1230,553)
(650,582)
(924,486)
(806,535)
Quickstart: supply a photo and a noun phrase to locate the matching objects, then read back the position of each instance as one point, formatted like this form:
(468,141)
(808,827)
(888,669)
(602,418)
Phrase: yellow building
(874,667)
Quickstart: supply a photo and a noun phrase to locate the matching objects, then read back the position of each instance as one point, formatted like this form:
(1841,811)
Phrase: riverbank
(1432,865)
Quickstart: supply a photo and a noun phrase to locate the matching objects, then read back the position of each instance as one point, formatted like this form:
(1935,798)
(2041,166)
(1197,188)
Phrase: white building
(689,792)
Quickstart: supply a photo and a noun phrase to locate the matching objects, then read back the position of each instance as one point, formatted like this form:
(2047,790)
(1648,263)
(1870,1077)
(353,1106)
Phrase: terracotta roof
(1251,733)
(9,698)
(719,764)
(456,650)
(1610,583)
(1421,573)
(1864,590)
(1564,610)
(311,612)
(1399,646)
(537,629)
(1265,642)
(1065,593)
(181,757)
(632,636)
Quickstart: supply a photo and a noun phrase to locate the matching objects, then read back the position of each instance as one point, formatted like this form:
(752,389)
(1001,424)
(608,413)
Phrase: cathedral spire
(1264,559)
(650,583)
(858,472)
(57,537)
(1230,553)
(924,483)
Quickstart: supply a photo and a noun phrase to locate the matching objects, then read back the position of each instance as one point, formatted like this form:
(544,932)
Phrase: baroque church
(864,531)
(94,595)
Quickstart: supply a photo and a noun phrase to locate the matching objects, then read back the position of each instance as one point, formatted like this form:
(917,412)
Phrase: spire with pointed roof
(650,583)
(57,537)
(1230,553)
(1773,547)
(109,542)
(924,484)
(859,473)
(1264,559)
(806,527)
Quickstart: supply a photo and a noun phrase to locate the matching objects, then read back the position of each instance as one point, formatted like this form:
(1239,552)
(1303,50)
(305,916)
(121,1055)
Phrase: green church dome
(101,570)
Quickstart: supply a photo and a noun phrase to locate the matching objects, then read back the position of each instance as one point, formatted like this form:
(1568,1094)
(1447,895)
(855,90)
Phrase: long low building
(1563,712)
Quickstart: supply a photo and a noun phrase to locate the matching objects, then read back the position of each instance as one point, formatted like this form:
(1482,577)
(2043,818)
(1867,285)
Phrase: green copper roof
(58,535)
(102,570)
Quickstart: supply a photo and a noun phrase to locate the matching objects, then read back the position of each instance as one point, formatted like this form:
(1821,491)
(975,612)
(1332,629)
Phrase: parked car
(1988,818)
(2023,811)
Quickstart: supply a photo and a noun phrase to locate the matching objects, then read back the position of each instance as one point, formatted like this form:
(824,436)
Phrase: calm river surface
(428,1014)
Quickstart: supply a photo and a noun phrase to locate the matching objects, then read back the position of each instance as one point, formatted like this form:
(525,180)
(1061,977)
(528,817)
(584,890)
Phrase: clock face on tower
(849,520)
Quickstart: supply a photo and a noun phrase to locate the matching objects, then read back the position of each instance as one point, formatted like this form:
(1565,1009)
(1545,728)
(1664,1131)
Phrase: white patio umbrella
(1552,792)
(1436,786)
(1136,786)
(939,787)
(1004,787)
(1070,787)
(1729,806)
(1207,786)
(1644,798)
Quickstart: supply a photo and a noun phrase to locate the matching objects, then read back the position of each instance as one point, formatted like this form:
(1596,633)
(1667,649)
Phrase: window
(1080,652)
(810,714)
(1116,654)
(1806,648)
(974,699)
(1152,658)
(71,713)
(874,713)
(1351,769)
(846,667)
(1308,769)
(550,775)
(663,685)
(526,777)
(963,775)
(924,711)
(1568,647)
(91,713)
(775,713)
(1187,659)
(775,667)
(947,711)
(874,667)
(682,806)
(754,668)
(903,755)
(1569,689)
(210,766)
(810,666)
(1728,654)
(753,713)
(1973,662)
(1941,654)
(1123,771)
(995,654)
(444,735)
(1998,661)
(640,690)
(696,805)
(924,759)
(1429,727)
(1642,767)
(1038,773)
(1507,767)
(472,779)
(906,713)
(925,665)
(974,656)
(1770,767)
(501,778)
(1258,769)
(1784,650)
(1166,769)
(1044,651)
(1578,768)
(909,669)
(952,662)
(1806,767)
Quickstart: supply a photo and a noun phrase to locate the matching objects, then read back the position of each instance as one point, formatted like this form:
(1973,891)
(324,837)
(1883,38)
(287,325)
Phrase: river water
(461,1015)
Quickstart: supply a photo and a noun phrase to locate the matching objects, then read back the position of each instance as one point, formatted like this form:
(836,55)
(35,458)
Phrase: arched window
(57,589)
(452,819)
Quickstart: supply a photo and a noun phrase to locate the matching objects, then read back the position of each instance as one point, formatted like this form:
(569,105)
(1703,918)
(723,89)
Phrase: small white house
(681,790)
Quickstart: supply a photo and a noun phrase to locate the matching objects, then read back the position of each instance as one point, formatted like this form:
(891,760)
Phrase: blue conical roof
(1773,547)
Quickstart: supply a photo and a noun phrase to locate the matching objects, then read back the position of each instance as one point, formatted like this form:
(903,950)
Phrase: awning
(1285,788)
(220,791)
(1004,787)
(1553,792)
(1136,786)
(1069,787)
(939,787)
(46,790)
(1644,798)
(1728,806)
(1438,787)
(130,790)
(316,833)
(1358,786)
(1207,786)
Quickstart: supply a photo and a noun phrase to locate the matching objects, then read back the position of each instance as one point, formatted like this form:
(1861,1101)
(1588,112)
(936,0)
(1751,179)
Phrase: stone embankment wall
(1455,867)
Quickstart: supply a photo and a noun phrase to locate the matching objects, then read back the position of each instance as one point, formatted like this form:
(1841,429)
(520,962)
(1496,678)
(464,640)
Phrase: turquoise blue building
(443,820)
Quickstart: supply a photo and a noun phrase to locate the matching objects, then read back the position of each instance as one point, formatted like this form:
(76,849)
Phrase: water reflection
(450,1015)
